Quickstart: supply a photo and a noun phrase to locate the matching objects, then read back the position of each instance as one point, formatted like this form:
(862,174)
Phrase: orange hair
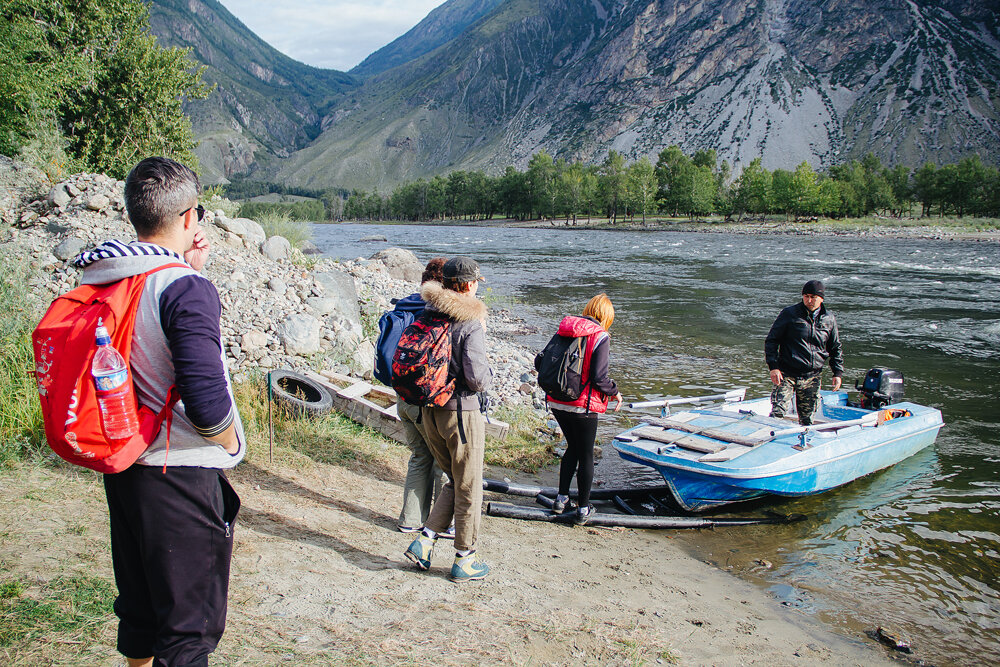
(600,309)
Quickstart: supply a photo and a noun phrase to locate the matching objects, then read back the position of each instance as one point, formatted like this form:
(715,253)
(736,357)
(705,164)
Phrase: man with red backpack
(441,364)
(172,512)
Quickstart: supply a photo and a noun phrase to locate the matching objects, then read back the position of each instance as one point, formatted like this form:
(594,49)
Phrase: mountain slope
(788,80)
(265,104)
(444,23)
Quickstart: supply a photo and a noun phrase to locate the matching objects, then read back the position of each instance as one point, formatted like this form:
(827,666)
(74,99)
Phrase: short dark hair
(433,270)
(157,190)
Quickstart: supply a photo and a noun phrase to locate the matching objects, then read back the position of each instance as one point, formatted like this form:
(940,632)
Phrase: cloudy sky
(337,34)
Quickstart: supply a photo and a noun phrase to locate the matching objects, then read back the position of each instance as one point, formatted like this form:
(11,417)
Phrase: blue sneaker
(468,568)
(420,550)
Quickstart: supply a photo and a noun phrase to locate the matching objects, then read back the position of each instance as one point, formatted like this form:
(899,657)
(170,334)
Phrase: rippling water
(916,546)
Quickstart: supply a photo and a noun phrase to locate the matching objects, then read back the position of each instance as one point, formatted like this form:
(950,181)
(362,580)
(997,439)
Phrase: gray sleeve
(475,366)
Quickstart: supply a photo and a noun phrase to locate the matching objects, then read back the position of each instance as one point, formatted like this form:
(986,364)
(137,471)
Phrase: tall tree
(642,186)
(753,189)
(613,185)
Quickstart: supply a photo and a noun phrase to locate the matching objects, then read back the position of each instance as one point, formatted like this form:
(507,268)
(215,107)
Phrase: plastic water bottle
(114,391)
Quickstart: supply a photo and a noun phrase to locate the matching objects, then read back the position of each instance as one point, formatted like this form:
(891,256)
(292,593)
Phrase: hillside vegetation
(691,186)
(84,85)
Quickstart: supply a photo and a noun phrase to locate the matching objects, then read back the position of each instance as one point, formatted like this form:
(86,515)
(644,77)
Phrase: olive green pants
(461,498)
(424,478)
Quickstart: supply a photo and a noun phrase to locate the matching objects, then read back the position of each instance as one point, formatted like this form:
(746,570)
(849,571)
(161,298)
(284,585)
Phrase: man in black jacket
(800,342)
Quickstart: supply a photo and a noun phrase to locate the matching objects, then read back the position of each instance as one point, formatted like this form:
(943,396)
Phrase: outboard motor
(882,387)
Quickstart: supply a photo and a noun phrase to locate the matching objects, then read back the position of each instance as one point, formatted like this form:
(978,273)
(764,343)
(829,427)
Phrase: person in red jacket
(578,419)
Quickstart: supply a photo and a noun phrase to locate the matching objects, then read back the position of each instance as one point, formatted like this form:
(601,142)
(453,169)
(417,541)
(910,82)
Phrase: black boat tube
(514,489)
(509,511)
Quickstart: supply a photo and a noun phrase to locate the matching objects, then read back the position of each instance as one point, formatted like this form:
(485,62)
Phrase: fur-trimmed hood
(459,306)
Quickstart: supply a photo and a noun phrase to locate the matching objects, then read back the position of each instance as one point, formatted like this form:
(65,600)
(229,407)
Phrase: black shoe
(583,515)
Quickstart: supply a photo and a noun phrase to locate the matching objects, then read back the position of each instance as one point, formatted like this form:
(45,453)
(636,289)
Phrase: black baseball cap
(462,269)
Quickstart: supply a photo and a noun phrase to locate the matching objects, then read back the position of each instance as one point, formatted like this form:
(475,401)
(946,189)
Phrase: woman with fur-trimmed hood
(456,432)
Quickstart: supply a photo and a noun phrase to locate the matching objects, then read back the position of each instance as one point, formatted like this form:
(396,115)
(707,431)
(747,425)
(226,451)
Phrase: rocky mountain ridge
(786,80)
(265,105)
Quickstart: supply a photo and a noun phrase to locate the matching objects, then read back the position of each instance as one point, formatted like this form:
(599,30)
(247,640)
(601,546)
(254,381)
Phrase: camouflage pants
(806,393)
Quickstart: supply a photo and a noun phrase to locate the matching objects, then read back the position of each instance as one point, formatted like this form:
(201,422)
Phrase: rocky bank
(281,308)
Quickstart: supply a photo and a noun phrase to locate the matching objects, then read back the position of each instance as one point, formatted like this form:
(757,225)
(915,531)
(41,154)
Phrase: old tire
(299,395)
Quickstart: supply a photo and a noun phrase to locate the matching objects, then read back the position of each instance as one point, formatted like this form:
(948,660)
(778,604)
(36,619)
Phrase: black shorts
(171,545)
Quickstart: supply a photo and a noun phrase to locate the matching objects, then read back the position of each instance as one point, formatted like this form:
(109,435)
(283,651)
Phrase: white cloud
(337,34)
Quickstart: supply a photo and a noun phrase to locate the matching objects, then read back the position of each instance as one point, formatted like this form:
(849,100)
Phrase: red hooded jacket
(592,399)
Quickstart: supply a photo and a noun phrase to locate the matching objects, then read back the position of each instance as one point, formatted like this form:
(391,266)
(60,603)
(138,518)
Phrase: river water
(915,547)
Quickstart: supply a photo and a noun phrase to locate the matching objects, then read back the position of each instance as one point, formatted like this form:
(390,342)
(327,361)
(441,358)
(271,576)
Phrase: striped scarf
(114,248)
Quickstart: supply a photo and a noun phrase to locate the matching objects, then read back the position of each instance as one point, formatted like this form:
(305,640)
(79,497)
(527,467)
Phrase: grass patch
(66,610)
(523,449)
(279,223)
(22,433)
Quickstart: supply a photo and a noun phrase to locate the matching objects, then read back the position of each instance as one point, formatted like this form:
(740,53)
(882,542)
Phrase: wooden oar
(730,396)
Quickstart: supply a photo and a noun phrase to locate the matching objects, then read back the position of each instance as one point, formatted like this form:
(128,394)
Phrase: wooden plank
(356,390)
(686,441)
(727,454)
(350,400)
(710,432)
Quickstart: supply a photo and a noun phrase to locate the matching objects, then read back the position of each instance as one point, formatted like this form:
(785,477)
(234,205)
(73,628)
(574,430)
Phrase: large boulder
(340,286)
(234,225)
(300,334)
(323,305)
(276,248)
(254,232)
(245,228)
(402,264)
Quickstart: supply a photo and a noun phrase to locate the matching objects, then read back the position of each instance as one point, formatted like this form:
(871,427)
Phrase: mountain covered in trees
(483,84)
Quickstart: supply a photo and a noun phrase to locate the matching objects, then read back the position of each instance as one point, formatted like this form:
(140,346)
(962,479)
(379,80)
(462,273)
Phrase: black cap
(814,287)
(462,269)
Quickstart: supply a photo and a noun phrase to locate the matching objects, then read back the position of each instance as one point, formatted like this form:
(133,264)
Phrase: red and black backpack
(420,364)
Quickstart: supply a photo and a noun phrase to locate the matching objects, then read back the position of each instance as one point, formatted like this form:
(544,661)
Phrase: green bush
(93,67)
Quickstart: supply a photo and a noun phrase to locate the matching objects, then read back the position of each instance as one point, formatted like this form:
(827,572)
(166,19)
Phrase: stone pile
(280,308)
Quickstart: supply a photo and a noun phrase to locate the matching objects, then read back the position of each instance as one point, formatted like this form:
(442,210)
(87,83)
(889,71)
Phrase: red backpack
(420,364)
(64,348)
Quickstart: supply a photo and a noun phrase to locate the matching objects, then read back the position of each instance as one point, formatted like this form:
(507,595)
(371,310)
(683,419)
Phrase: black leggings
(580,430)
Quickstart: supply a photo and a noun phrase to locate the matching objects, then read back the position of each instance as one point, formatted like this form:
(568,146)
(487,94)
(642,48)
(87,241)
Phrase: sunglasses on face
(199,209)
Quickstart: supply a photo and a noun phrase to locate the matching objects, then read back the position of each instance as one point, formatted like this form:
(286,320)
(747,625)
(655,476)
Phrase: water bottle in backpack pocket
(115,400)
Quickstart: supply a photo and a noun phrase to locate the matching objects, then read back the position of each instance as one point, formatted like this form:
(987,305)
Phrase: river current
(915,547)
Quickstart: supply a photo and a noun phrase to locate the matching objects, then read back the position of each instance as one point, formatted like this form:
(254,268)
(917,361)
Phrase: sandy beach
(319,577)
